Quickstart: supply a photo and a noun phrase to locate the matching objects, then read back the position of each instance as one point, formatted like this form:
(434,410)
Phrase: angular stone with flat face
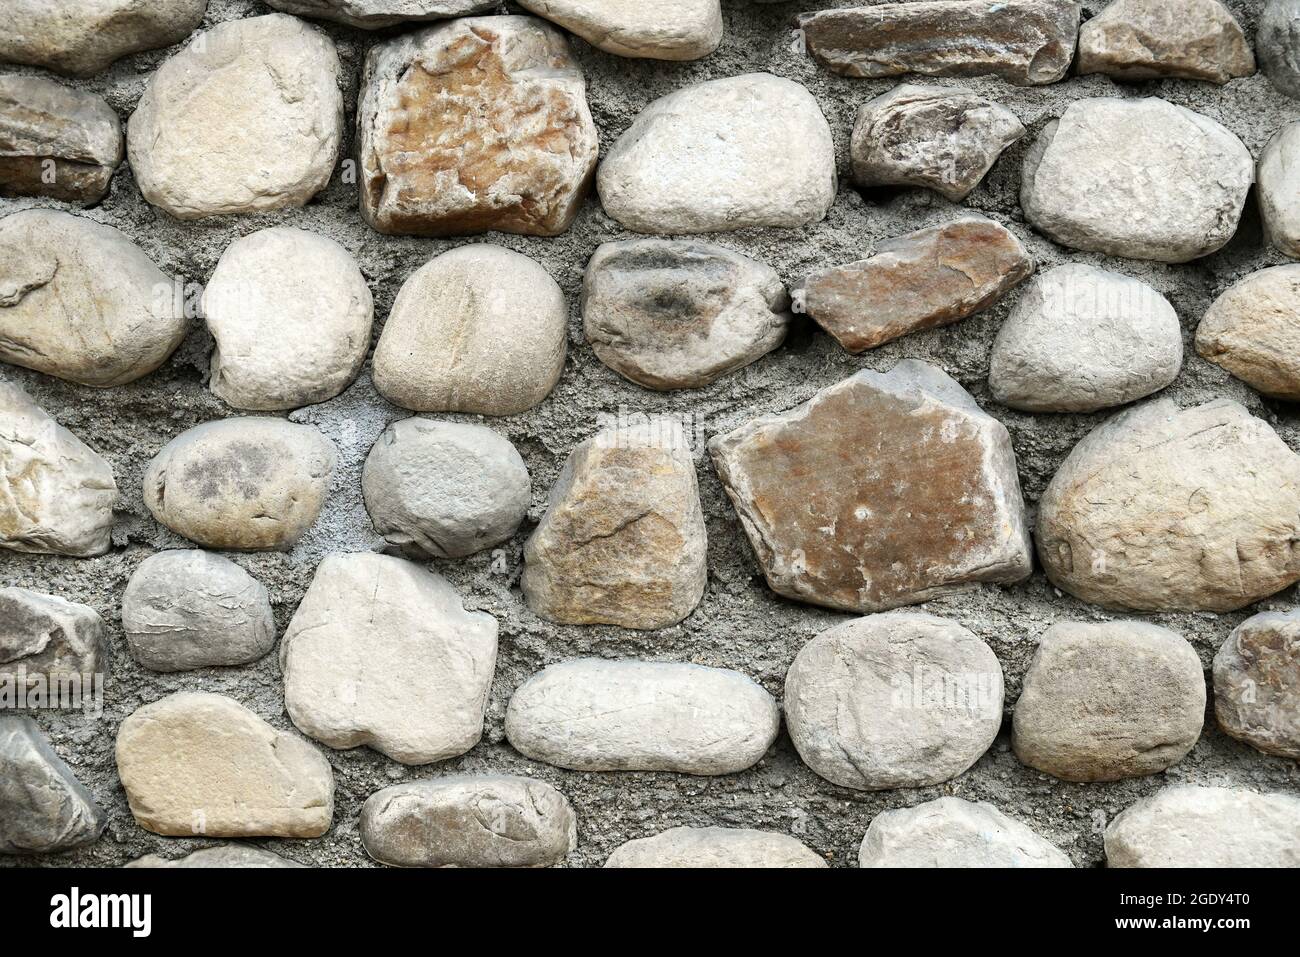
(1253,331)
(1026,42)
(1168,509)
(880,491)
(44,809)
(474,125)
(663,30)
(950,832)
(1278,42)
(1257,683)
(695,847)
(1149,39)
(1279,189)
(48,637)
(932,277)
(376,14)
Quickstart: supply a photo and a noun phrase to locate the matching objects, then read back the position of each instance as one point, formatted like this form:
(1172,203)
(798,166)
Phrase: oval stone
(714,847)
(1253,331)
(951,832)
(1257,683)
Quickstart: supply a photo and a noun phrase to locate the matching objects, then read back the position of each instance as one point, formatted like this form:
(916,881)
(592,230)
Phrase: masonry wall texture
(740,624)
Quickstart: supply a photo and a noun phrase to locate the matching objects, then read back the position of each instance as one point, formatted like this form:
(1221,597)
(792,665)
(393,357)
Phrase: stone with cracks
(47,639)
(1253,331)
(951,832)
(376,14)
(695,847)
(1279,189)
(44,809)
(383,653)
(880,491)
(1257,683)
(1277,41)
(1151,39)
(225,856)
(665,30)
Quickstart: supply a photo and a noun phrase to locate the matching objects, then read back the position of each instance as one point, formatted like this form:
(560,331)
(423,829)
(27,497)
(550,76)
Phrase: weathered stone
(44,809)
(1139,178)
(474,125)
(383,653)
(598,715)
(242,483)
(1253,331)
(56,493)
(478,329)
(1112,700)
(751,150)
(714,847)
(932,277)
(376,14)
(80,301)
(1026,42)
(445,489)
(623,540)
(56,141)
(950,832)
(1279,189)
(225,856)
(942,138)
(1188,826)
(291,316)
(667,30)
(1150,39)
(1278,42)
(897,700)
(1168,509)
(469,821)
(1081,339)
(81,37)
(880,491)
(187,609)
(47,638)
(1257,683)
(680,314)
(248,117)
(200,764)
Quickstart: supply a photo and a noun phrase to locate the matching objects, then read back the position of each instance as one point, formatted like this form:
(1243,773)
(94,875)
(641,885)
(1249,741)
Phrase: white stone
(695,847)
(1279,189)
(664,30)
(376,14)
(950,832)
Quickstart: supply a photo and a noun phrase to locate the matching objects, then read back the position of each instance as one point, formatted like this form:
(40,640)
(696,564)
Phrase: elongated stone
(1026,42)
(667,30)
(44,809)
(695,847)
(1257,683)
(1149,39)
(597,715)
(1279,189)
(469,821)
(47,637)
(926,279)
(226,856)
(880,491)
(1251,330)
(1168,509)
(950,832)
(377,14)
(1278,43)
(199,764)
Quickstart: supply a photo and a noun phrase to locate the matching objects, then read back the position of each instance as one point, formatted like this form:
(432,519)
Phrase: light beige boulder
(226,856)
(1253,331)
(1151,39)
(951,832)
(666,30)
(1279,189)
(694,847)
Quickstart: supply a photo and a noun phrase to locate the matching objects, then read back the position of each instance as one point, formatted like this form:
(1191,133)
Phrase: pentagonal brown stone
(880,491)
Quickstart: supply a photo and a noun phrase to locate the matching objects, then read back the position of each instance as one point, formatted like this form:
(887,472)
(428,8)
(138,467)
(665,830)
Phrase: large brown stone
(880,491)
(473,125)
(932,277)
(1149,39)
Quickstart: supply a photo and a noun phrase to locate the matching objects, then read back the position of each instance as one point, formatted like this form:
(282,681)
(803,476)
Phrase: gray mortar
(740,623)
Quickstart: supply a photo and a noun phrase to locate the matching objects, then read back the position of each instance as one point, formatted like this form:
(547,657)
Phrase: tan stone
(377,14)
(663,30)
(1253,331)
(729,847)
(1148,39)
(1257,683)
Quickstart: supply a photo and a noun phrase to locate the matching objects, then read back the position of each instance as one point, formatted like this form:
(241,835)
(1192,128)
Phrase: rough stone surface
(474,125)
(695,847)
(951,832)
(81,37)
(56,493)
(1081,339)
(1253,331)
(1152,39)
(48,637)
(56,141)
(1168,509)
(201,764)
(383,653)
(679,314)
(1257,683)
(598,715)
(898,700)
(1026,42)
(44,809)
(667,30)
(478,329)
(469,821)
(376,14)
(1188,826)
(225,856)
(445,489)
(1279,189)
(248,117)
(751,150)
(880,491)
(186,609)
(1101,702)
(1278,44)
(241,483)
(939,137)
(291,316)
(80,301)
(926,279)
(622,541)
(1145,179)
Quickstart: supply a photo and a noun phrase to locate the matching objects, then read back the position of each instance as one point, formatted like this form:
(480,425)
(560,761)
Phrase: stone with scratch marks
(226,856)
(469,821)
(1253,331)
(49,638)
(383,653)
(714,847)
(951,832)
(1257,683)
(1149,39)
(598,715)
(1278,42)
(196,764)
(664,30)
(1279,189)
(880,491)
(377,14)
(899,700)
(243,483)
(44,809)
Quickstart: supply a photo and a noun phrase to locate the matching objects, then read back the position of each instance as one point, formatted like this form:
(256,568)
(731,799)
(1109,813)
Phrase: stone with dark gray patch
(1278,44)
(44,809)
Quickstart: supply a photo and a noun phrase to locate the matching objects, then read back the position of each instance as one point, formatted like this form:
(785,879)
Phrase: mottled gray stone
(44,809)
(1279,189)
(376,14)
(663,30)
(694,847)
(48,637)
(224,857)
(1253,331)
(950,832)
(1277,42)
(1150,39)
(1257,683)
